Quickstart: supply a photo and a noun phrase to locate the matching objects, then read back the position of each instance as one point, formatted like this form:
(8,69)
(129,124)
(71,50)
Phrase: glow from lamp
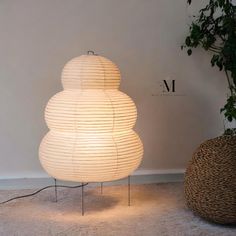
(90,121)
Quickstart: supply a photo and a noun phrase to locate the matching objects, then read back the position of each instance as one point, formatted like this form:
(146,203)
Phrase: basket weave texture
(210,180)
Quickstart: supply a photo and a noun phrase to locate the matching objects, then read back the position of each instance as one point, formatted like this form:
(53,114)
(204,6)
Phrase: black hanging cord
(38,191)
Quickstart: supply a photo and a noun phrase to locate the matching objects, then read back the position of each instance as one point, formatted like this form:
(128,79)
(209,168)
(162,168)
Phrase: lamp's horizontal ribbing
(91,137)
(70,110)
(86,72)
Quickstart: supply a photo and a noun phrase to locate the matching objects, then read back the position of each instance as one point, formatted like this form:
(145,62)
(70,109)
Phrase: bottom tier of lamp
(87,157)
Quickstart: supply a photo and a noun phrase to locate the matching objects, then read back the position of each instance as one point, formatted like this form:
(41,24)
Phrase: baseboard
(141,176)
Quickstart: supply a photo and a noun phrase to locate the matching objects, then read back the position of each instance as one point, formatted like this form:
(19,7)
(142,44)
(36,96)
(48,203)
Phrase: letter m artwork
(168,86)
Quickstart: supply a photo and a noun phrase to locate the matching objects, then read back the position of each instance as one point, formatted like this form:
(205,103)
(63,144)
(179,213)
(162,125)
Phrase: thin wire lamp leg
(129,190)
(55,188)
(101,187)
(82,199)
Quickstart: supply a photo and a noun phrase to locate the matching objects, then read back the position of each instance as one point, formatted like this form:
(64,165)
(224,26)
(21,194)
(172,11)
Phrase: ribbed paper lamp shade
(90,121)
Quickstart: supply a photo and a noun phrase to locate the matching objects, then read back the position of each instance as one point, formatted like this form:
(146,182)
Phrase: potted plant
(210,180)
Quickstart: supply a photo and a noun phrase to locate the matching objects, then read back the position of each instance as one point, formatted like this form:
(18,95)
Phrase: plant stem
(212,50)
(228,79)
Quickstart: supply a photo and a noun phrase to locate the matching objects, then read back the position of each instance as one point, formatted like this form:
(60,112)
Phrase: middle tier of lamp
(90,111)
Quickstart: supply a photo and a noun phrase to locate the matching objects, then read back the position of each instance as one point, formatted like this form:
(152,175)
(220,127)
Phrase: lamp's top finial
(90,52)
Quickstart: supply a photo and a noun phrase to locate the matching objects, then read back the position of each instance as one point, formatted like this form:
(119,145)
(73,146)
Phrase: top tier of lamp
(90,72)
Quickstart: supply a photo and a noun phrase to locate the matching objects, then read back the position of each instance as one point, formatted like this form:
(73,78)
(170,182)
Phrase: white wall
(143,37)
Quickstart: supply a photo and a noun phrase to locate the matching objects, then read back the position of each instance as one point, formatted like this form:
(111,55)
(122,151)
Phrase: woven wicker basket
(210,180)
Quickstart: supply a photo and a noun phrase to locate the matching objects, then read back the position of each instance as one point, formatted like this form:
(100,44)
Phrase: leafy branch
(214,30)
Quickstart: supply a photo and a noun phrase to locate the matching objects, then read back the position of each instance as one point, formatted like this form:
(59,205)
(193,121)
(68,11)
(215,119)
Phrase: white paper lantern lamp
(90,121)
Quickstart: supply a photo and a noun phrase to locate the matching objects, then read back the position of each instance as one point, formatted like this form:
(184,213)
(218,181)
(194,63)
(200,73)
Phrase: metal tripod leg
(101,187)
(55,188)
(82,199)
(129,190)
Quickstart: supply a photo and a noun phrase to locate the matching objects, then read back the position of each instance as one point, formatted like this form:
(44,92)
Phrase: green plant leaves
(188,41)
(214,29)
(230,108)
(189,52)
(214,59)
